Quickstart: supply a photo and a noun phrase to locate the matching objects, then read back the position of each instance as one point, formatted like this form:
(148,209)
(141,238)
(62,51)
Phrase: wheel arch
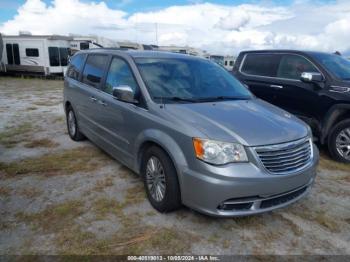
(66,105)
(163,141)
(335,114)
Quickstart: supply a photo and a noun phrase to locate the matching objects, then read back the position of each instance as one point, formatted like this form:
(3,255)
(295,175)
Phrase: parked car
(192,131)
(314,86)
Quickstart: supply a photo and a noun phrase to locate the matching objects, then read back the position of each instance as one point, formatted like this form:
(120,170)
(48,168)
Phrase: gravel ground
(62,197)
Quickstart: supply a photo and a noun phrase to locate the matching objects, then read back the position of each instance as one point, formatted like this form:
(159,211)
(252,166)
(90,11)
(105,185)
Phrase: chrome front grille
(287,157)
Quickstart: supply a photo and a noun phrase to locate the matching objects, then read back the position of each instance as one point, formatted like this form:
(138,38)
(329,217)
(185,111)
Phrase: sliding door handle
(276,86)
(103,103)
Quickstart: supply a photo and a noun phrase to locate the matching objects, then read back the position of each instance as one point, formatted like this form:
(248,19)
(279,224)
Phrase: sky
(219,27)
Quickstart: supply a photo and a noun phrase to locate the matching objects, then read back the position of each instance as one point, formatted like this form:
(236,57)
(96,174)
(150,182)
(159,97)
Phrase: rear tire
(339,142)
(160,180)
(72,125)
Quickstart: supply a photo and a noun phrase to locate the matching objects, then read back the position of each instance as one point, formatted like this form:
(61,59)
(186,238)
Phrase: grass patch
(31,108)
(104,206)
(344,177)
(59,119)
(71,238)
(44,142)
(12,85)
(67,162)
(29,192)
(4,191)
(329,164)
(47,103)
(15,135)
(292,226)
(251,222)
(102,184)
(53,218)
(75,241)
(134,195)
(318,216)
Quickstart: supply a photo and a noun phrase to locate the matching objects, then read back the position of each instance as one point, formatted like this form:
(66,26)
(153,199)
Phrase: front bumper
(244,189)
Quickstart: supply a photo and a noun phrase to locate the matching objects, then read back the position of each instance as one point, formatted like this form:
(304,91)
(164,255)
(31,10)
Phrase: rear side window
(292,66)
(75,66)
(119,74)
(261,64)
(93,70)
(54,56)
(63,56)
(84,46)
(32,52)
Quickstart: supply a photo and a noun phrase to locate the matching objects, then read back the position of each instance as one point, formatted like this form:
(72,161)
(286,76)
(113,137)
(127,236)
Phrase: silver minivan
(194,133)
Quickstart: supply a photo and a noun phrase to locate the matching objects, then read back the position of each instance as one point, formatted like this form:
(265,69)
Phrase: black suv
(314,86)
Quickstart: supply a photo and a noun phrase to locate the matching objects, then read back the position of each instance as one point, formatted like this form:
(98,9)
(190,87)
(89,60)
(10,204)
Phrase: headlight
(219,153)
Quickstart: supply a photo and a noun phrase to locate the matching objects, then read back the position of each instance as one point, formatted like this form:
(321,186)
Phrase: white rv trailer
(184,50)
(229,62)
(87,42)
(219,59)
(41,54)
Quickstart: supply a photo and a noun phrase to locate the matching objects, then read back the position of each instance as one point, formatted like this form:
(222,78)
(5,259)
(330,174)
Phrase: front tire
(72,125)
(160,180)
(339,142)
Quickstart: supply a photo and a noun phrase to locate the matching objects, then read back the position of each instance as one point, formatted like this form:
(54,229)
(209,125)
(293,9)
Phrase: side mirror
(311,77)
(124,93)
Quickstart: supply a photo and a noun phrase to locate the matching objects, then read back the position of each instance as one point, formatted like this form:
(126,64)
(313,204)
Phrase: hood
(249,122)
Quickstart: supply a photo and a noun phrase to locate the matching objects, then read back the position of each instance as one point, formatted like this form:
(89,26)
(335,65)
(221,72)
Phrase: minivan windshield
(335,64)
(189,80)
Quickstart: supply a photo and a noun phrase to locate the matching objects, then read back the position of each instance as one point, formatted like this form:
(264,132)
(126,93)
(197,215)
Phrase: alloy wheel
(72,128)
(155,179)
(343,143)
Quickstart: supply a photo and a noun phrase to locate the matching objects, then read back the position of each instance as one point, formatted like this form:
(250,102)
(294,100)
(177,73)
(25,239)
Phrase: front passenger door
(117,118)
(302,99)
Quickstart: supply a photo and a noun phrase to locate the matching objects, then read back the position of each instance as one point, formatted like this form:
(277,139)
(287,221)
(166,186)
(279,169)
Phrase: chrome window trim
(271,77)
(282,146)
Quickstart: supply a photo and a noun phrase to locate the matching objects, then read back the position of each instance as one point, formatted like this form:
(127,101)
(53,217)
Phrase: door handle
(93,99)
(276,86)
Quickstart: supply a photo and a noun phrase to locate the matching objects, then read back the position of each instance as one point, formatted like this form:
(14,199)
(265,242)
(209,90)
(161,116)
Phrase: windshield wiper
(176,99)
(218,98)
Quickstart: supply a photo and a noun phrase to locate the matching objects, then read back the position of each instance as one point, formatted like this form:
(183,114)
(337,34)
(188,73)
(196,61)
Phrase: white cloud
(216,28)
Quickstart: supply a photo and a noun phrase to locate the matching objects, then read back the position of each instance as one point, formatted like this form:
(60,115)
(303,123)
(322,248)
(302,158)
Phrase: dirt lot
(62,197)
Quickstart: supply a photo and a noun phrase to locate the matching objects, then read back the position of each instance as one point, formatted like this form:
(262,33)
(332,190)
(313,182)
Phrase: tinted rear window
(54,56)
(75,66)
(93,70)
(261,64)
(84,46)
